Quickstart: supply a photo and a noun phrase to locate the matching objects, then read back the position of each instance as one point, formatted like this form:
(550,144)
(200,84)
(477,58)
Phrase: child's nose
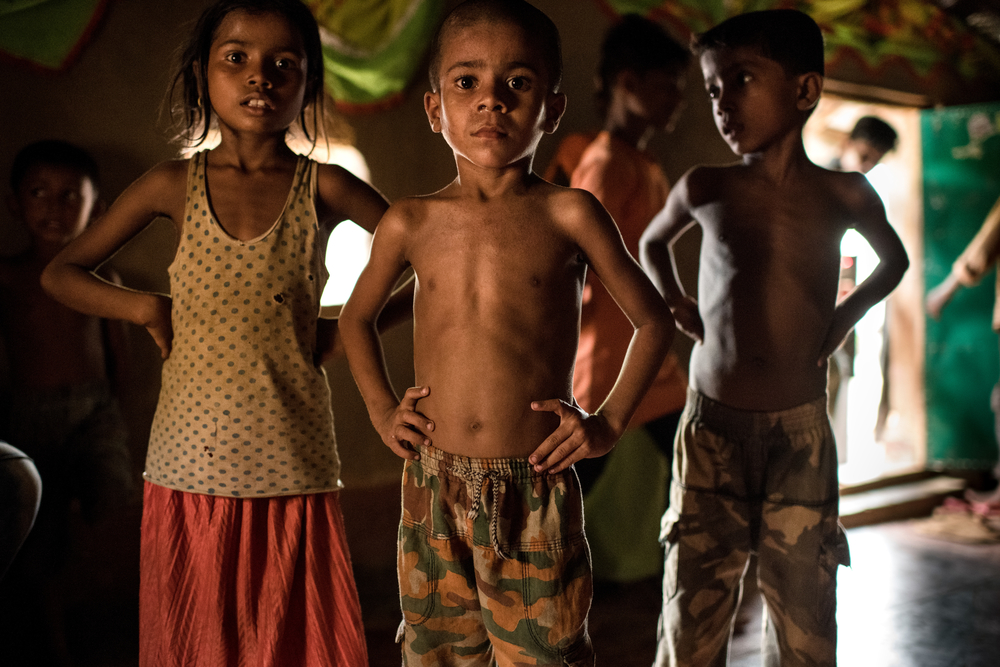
(493,98)
(259,76)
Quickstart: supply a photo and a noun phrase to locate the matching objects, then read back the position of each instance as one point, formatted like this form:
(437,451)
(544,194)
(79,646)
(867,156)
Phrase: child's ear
(432,106)
(810,87)
(555,107)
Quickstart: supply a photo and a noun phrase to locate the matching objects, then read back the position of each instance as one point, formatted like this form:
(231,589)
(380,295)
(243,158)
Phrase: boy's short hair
(875,131)
(529,18)
(53,152)
(640,45)
(786,36)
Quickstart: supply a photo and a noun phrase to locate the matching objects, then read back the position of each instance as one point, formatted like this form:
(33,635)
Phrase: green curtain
(372,49)
(916,33)
(961,173)
(47,34)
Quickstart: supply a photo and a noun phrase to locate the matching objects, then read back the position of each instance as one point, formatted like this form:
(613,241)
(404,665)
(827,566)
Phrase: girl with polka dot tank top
(243,555)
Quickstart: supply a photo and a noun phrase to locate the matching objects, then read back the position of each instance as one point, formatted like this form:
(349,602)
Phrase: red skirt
(256,582)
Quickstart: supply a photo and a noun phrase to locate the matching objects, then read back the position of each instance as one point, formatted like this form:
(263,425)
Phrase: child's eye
(37,193)
(285,63)
(465,82)
(745,77)
(713,92)
(518,83)
(234,57)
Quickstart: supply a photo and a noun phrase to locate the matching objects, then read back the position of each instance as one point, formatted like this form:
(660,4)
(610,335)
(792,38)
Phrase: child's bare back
(497,308)
(766,316)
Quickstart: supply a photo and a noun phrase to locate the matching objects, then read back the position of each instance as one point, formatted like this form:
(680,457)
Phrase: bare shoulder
(706,183)
(161,191)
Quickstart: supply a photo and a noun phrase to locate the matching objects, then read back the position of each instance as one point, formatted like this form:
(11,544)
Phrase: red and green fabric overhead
(915,33)
(47,34)
(372,48)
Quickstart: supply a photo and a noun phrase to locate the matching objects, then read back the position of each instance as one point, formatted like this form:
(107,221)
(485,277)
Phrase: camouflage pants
(752,482)
(494,567)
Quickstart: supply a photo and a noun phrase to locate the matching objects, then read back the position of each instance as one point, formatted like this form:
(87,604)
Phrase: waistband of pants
(438,461)
(800,418)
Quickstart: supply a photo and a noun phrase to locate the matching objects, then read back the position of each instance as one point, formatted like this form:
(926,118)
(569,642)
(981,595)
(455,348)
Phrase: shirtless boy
(63,366)
(493,562)
(755,463)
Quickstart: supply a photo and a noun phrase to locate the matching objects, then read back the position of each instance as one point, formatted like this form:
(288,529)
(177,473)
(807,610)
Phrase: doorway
(879,415)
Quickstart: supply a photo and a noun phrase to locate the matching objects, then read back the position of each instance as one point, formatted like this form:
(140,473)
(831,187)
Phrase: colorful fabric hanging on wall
(915,33)
(47,34)
(372,48)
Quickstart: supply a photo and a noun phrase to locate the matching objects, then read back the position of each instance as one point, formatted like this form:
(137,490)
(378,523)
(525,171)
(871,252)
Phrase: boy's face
(493,101)
(54,202)
(754,101)
(656,96)
(860,155)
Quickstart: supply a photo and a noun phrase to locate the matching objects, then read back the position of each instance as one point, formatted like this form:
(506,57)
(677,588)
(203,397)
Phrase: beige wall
(109,103)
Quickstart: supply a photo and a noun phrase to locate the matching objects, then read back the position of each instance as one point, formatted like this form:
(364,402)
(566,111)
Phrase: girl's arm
(70,277)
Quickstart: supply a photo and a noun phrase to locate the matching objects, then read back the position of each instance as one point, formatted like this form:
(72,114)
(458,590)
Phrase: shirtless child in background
(755,461)
(491,432)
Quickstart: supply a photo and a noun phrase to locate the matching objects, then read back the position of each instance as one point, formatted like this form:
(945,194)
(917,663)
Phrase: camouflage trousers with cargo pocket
(493,564)
(752,482)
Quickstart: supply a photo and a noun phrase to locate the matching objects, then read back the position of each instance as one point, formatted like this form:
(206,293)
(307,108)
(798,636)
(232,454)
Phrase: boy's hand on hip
(578,436)
(688,319)
(404,429)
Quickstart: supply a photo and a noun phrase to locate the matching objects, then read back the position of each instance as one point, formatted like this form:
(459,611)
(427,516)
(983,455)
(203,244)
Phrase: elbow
(49,280)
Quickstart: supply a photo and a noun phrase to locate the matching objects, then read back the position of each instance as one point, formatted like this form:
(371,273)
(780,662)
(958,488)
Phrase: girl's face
(256,73)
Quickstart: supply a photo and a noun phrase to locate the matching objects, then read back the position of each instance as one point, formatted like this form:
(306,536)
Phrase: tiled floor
(908,601)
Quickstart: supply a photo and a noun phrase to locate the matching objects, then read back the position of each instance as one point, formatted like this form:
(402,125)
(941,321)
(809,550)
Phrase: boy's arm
(580,435)
(400,426)
(893,262)
(70,279)
(656,252)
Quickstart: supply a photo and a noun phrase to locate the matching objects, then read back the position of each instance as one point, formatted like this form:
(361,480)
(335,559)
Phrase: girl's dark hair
(188,99)
(787,36)
(639,45)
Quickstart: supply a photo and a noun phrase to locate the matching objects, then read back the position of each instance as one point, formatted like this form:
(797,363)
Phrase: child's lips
(257,102)
(489,132)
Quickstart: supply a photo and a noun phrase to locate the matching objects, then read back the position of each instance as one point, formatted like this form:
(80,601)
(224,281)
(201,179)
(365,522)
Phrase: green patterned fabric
(373,48)
(916,33)
(48,34)
(961,165)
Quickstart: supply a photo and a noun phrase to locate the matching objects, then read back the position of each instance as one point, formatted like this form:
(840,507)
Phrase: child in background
(243,557)
(866,145)
(493,562)
(642,74)
(64,370)
(755,467)
(978,258)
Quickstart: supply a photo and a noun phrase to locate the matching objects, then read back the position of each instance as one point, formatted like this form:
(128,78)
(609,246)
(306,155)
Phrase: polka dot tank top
(243,411)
